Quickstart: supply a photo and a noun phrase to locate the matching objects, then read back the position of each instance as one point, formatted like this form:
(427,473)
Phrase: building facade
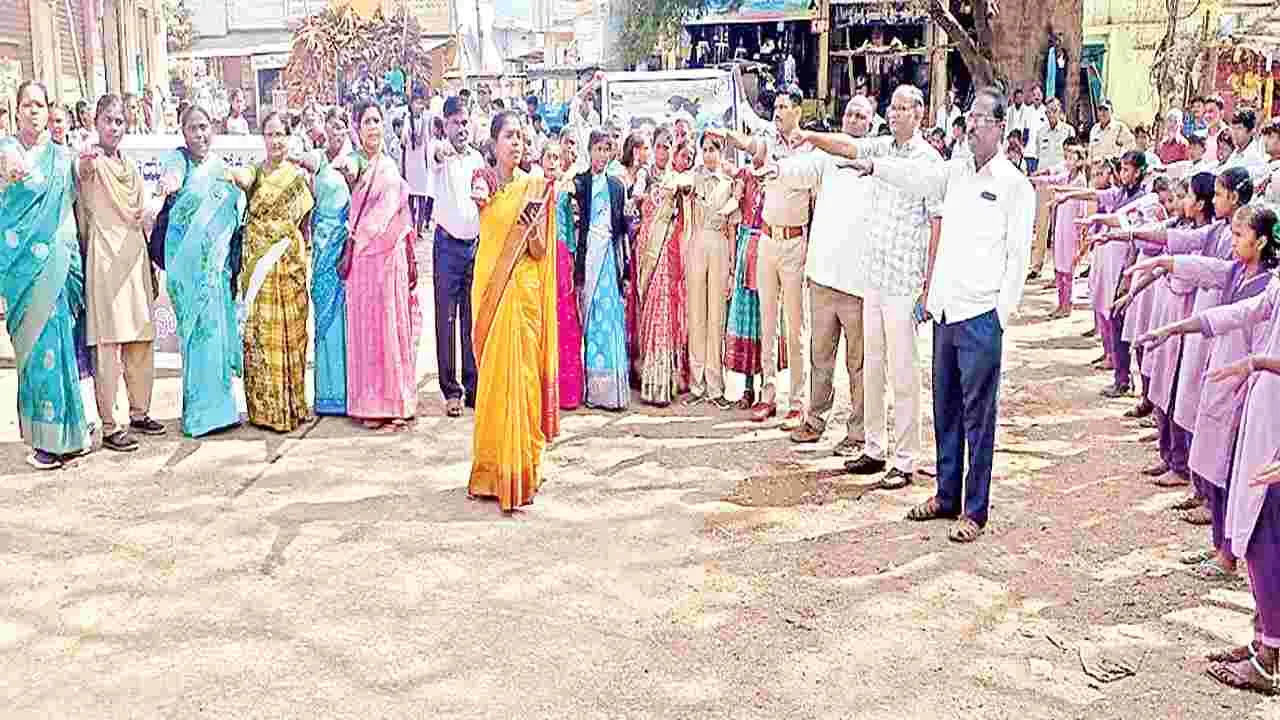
(82,49)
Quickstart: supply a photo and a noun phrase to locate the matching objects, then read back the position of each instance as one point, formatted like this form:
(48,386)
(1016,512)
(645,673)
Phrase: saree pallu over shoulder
(329,233)
(662,333)
(515,340)
(382,307)
(42,283)
(275,300)
(199,261)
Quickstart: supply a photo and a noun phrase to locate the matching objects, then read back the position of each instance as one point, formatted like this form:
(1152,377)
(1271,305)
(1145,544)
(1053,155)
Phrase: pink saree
(383,317)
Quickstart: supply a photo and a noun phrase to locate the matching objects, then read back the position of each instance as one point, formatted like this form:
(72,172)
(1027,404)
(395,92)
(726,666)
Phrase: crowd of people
(599,268)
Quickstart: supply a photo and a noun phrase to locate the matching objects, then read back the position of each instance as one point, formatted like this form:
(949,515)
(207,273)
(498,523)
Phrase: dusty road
(677,565)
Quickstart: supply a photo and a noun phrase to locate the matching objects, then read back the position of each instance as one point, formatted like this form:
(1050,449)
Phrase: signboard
(634,99)
(149,153)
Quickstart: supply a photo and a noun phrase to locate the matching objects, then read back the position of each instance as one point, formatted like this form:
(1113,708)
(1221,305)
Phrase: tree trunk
(1020,43)
(1009,47)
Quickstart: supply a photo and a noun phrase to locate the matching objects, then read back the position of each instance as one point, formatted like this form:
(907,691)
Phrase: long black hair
(1263,222)
(1237,180)
(1201,187)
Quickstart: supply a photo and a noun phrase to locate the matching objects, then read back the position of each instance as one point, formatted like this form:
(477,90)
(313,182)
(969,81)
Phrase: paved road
(677,564)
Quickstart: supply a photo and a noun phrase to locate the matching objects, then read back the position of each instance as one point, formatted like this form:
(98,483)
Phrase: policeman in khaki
(783,246)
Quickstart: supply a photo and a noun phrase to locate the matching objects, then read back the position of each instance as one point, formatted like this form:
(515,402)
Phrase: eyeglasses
(976,118)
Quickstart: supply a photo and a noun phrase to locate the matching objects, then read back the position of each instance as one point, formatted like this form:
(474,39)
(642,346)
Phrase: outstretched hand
(1156,338)
(1269,475)
(1235,371)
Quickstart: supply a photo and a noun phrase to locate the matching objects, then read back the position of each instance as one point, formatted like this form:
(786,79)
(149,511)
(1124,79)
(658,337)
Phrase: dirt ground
(680,563)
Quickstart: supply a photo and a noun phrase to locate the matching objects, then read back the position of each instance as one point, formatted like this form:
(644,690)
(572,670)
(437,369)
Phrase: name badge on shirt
(988,195)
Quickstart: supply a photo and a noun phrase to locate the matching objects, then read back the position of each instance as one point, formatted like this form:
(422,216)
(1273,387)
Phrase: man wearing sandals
(452,163)
(974,284)
(894,251)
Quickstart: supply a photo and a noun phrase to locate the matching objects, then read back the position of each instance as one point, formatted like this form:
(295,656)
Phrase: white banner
(150,152)
(633,99)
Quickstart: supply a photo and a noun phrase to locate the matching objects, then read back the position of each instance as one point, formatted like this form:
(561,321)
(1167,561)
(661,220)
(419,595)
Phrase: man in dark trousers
(452,163)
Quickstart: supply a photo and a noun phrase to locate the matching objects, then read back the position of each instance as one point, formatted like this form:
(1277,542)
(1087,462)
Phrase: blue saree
(42,282)
(199,262)
(603,308)
(328,237)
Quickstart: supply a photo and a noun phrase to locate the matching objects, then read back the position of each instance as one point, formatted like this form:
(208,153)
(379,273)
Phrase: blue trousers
(453,264)
(966,385)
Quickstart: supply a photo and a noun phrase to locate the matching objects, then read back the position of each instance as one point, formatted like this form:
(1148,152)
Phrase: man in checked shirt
(900,225)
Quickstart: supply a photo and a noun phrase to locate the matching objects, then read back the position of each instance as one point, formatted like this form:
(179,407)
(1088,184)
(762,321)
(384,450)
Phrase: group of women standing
(1185,272)
(246,252)
(662,297)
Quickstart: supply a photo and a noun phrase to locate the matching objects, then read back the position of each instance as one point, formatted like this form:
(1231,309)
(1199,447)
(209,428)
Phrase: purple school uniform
(1173,300)
(1138,316)
(1216,243)
(1253,513)
(1221,403)
(1066,236)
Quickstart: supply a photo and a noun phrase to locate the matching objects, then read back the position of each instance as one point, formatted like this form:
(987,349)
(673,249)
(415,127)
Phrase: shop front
(776,33)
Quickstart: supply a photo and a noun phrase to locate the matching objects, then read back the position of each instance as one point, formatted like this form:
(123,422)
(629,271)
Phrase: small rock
(1041,669)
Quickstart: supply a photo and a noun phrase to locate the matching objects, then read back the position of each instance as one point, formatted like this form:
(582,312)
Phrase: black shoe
(1116,391)
(120,441)
(470,402)
(146,426)
(895,479)
(864,465)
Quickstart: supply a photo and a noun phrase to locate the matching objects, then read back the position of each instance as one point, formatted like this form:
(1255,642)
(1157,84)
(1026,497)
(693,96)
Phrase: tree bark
(1010,41)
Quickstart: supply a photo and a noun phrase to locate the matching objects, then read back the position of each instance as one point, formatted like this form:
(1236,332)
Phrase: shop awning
(722,12)
(240,43)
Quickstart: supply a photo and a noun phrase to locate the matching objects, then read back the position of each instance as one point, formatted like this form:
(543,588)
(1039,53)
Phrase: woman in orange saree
(515,326)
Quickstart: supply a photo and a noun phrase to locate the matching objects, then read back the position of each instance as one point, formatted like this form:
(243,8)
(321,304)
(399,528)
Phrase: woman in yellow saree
(273,285)
(515,325)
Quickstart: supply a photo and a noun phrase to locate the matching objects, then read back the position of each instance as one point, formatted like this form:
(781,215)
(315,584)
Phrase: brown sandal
(1234,655)
(964,531)
(1198,516)
(1190,502)
(1246,675)
(930,509)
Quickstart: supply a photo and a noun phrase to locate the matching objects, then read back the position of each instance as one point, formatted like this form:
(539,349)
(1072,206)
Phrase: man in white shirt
(895,247)
(1271,141)
(453,162)
(1250,152)
(1017,115)
(1034,117)
(947,115)
(834,270)
(1213,125)
(974,284)
(482,115)
(583,118)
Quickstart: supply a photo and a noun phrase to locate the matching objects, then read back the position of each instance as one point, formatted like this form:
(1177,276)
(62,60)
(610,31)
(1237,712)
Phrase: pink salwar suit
(1253,513)
(383,318)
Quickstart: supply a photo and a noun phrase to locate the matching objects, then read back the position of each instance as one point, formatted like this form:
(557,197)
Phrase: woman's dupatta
(536,241)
